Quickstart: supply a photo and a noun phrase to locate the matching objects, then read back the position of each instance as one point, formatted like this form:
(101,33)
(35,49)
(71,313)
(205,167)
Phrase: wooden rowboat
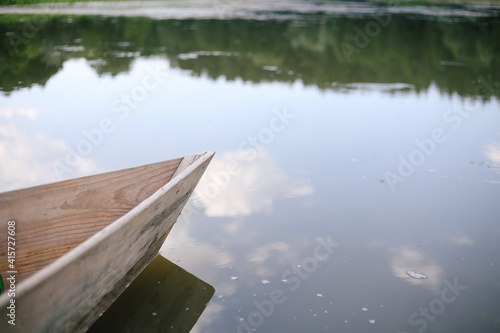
(79,243)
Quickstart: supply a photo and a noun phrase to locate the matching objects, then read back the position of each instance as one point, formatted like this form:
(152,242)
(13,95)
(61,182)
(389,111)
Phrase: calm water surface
(341,163)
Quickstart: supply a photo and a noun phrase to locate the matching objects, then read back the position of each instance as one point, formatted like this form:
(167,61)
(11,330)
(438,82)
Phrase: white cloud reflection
(492,152)
(211,314)
(9,113)
(26,158)
(254,188)
(461,239)
(262,253)
(406,258)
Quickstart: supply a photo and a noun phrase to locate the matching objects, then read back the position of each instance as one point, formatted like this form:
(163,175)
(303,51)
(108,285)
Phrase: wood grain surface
(53,219)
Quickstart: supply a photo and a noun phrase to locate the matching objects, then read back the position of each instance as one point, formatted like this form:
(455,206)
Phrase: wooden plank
(163,298)
(70,293)
(55,218)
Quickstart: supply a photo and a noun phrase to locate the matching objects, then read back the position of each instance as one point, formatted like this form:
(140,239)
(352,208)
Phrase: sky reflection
(252,188)
(303,146)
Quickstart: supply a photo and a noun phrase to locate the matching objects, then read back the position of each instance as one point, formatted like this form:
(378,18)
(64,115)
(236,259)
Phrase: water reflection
(27,156)
(264,252)
(252,187)
(492,152)
(254,50)
(163,298)
(201,255)
(322,176)
(461,239)
(406,259)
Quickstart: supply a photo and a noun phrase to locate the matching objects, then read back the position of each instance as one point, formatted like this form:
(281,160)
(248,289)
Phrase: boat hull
(69,294)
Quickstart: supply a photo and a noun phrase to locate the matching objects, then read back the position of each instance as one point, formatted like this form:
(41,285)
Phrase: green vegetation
(421,53)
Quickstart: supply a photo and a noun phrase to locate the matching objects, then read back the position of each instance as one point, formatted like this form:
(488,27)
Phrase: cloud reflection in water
(492,152)
(406,258)
(254,188)
(27,158)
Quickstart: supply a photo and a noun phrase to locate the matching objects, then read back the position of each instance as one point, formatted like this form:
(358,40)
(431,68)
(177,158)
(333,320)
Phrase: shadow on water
(163,298)
(317,50)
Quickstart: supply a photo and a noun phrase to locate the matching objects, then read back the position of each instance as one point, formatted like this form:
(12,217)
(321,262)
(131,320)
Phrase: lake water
(353,143)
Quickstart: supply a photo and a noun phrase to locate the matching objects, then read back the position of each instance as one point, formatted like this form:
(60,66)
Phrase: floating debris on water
(416,275)
(264,281)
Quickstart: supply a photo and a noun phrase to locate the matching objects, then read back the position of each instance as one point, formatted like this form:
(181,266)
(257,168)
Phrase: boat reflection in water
(163,298)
